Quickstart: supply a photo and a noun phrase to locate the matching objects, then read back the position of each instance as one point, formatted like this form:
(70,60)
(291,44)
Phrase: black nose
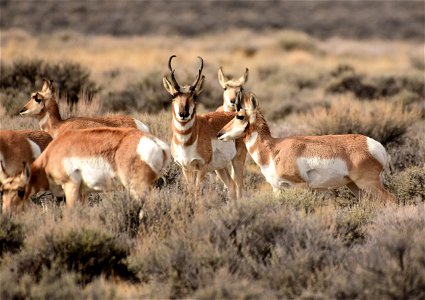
(22,110)
(219,134)
(233,101)
(183,115)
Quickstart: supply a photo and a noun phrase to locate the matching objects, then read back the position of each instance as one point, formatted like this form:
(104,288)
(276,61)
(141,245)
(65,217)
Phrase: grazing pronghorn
(17,148)
(319,162)
(44,107)
(194,144)
(231,89)
(96,159)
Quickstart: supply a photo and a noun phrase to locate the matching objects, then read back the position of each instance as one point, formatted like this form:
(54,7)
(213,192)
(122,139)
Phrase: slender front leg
(72,192)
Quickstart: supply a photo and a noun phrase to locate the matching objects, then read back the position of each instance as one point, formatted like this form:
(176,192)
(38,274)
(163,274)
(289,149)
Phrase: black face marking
(239,117)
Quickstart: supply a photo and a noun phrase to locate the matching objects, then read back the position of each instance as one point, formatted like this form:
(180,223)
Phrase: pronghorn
(43,106)
(231,89)
(96,159)
(17,148)
(194,144)
(318,162)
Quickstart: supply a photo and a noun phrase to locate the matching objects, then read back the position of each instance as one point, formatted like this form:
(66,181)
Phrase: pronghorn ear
(221,79)
(244,78)
(48,88)
(3,174)
(26,172)
(198,88)
(252,102)
(168,86)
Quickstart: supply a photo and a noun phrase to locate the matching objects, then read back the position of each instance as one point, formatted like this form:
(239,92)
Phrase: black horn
(173,78)
(195,83)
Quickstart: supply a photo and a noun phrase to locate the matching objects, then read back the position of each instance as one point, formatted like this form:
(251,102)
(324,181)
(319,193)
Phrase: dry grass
(302,244)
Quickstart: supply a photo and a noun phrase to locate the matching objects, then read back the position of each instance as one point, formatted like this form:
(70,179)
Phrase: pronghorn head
(231,88)
(14,188)
(246,113)
(184,97)
(38,99)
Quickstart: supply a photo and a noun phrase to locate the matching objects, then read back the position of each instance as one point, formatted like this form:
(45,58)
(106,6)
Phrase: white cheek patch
(378,152)
(151,153)
(323,173)
(235,133)
(36,151)
(251,140)
(95,172)
(141,126)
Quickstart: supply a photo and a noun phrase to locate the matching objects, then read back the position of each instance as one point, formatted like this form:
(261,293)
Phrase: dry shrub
(11,235)
(409,185)
(302,199)
(290,40)
(19,79)
(83,249)
(390,265)
(380,120)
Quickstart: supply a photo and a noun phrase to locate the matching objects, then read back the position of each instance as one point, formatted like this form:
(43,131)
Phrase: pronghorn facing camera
(97,159)
(232,87)
(17,148)
(194,144)
(44,107)
(318,162)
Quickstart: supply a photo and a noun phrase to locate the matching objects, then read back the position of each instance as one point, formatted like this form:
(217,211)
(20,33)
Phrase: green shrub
(409,185)
(87,251)
(11,235)
(382,121)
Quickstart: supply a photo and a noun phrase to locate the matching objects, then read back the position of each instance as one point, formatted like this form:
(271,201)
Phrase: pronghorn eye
(21,193)
(239,117)
(38,100)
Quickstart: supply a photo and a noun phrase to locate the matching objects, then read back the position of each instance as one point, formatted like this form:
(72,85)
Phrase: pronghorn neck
(185,133)
(259,141)
(50,118)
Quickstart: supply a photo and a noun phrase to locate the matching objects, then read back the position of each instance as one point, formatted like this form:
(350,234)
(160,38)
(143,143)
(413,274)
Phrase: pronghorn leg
(200,175)
(238,165)
(72,192)
(228,182)
(376,188)
(354,189)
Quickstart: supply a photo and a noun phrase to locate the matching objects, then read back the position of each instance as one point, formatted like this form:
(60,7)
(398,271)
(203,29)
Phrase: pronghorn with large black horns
(96,159)
(231,88)
(17,148)
(44,107)
(194,144)
(318,162)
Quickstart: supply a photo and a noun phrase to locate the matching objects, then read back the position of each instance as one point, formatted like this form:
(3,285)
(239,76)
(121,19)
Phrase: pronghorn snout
(184,115)
(219,134)
(22,111)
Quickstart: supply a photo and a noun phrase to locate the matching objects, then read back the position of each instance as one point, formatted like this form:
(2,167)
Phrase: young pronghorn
(43,106)
(319,162)
(96,159)
(17,148)
(194,144)
(231,89)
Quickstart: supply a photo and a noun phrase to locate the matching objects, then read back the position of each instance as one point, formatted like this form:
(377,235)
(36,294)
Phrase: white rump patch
(141,126)
(95,172)
(323,173)
(150,151)
(378,151)
(36,151)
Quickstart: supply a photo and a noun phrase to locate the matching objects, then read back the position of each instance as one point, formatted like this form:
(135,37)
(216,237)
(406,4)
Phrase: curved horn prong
(173,78)
(195,83)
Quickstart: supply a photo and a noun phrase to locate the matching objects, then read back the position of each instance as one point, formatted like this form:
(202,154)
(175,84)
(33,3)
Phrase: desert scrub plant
(409,185)
(302,199)
(20,78)
(290,40)
(87,251)
(380,120)
(390,264)
(11,235)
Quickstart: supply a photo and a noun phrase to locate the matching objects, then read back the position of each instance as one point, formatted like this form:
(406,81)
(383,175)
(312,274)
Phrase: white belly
(323,173)
(94,172)
(223,153)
